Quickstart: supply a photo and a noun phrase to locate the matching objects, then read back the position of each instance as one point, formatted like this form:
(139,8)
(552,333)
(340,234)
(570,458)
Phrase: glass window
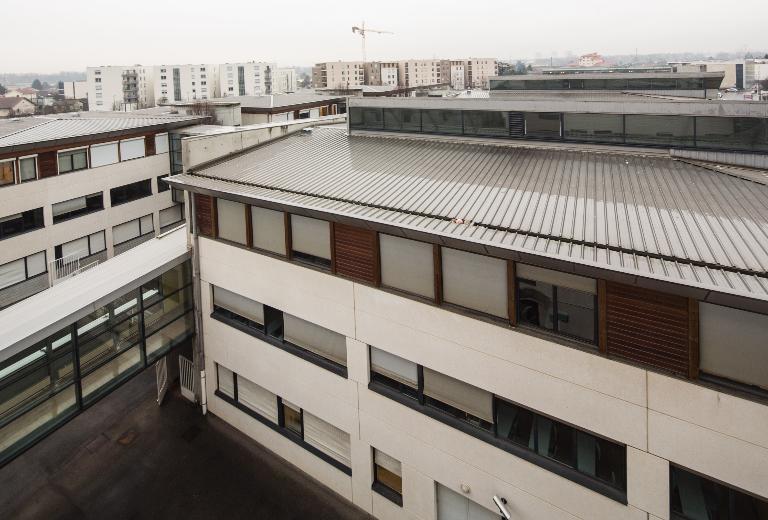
(172,333)
(542,124)
(402,119)
(311,240)
(732,133)
(73,208)
(323,342)
(407,265)
(238,308)
(161,143)
(594,127)
(693,497)
(366,118)
(172,215)
(130,192)
(110,374)
(231,220)
(132,149)
(12,273)
(659,130)
(466,402)
(268,228)
(73,160)
(7,169)
(256,398)
(27,169)
(103,154)
(485,122)
(21,222)
(226,381)
(394,371)
(387,471)
(292,418)
(475,281)
(326,438)
(441,121)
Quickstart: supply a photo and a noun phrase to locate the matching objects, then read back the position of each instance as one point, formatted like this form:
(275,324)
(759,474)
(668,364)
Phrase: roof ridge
(27,128)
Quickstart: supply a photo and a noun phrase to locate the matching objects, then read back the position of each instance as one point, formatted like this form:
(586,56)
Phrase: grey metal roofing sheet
(277,100)
(68,127)
(648,214)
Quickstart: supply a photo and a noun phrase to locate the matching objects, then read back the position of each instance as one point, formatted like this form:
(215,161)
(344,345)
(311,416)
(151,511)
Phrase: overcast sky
(77,33)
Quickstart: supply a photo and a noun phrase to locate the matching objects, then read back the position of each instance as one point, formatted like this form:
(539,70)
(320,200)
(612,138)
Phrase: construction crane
(362,31)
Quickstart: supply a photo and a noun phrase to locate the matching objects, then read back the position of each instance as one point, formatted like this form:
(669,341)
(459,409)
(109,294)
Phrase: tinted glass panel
(536,303)
(576,313)
(693,497)
(484,122)
(546,125)
(732,133)
(441,121)
(594,127)
(660,130)
(402,119)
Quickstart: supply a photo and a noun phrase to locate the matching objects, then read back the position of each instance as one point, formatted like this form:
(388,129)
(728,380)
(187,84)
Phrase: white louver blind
(394,367)
(97,242)
(170,215)
(268,229)
(458,394)
(326,438)
(62,208)
(161,143)
(131,149)
(125,232)
(226,381)
(317,339)
(103,154)
(311,236)
(571,281)
(257,398)
(77,247)
(475,281)
(388,463)
(36,264)
(231,220)
(11,273)
(147,225)
(240,305)
(407,265)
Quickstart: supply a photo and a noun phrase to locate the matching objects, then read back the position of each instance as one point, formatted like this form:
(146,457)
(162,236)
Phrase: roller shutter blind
(12,273)
(125,232)
(388,463)
(571,281)
(97,242)
(458,394)
(453,506)
(356,253)
(268,230)
(257,398)
(103,154)
(67,206)
(311,236)
(394,367)
(231,219)
(407,265)
(226,381)
(321,341)
(132,149)
(204,214)
(734,344)
(36,264)
(326,438)
(77,247)
(161,143)
(147,225)
(240,305)
(170,215)
(475,281)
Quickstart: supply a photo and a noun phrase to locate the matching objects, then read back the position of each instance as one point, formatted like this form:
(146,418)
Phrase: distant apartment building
(378,73)
(480,71)
(418,73)
(75,191)
(186,82)
(246,79)
(734,70)
(592,59)
(458,75)
(338,74)
(755,71)
(285,81)
(119,88)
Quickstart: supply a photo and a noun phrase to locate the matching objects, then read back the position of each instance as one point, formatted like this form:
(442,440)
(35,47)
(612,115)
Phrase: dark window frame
(68,154)
(93,203)
(29,220)
(381,488)
(126,193)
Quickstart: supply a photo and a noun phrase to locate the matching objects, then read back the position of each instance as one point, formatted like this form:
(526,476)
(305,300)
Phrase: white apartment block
(285,81)
(338,74)
(185,82)
(381,73)
(119,88)
(76,191)
(246,79)
(458,74)
(480,70)
(420,73)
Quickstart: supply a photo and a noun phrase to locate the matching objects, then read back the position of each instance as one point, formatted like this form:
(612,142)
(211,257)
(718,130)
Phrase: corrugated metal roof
(69,127)
(645,214)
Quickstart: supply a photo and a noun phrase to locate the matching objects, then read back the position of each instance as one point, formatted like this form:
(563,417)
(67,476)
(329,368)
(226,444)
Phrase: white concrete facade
(420,73)
(119,88)
(285,81)
(480,70)
(660,419)
(246,79)
(338,74)
(185,82)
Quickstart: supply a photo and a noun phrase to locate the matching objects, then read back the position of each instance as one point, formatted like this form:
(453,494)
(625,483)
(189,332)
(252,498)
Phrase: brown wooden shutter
(648,327)
(204,217)
(356,253)
(149,145)
(47,164)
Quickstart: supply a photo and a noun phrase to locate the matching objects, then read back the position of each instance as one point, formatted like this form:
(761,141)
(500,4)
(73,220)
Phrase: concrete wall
(661,419)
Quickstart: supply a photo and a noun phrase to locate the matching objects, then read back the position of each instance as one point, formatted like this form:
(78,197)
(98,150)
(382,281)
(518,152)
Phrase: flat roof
(556,102)
(70,127)
(643,215)
(611,75)
(277,102)
(45,313)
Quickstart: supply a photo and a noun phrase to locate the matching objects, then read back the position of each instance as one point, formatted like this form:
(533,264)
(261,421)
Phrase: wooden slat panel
(356,253)
(47,164)
(648,327)
(149,144)
(204,216)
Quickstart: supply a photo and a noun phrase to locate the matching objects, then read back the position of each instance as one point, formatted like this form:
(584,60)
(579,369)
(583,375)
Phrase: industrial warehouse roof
(71,127)
(611,75)
(647,215)
(278,102)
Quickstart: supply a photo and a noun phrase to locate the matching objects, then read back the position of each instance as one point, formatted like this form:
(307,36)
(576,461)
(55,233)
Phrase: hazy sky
(77,33)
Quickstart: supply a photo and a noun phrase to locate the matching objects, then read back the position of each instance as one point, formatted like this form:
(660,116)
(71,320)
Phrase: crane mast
(362,31)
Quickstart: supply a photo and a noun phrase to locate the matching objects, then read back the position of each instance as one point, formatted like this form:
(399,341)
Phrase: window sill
(389,494)
(6,237)
(285,433)
(488,437)
(115,204)
(297,351)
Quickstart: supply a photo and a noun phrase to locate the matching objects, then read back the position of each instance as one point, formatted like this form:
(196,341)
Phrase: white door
(453,506)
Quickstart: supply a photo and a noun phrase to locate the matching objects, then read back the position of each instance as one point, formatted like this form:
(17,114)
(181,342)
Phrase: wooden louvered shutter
(356,253)
(149,145)
(204,211)
(649,327)
(47,164)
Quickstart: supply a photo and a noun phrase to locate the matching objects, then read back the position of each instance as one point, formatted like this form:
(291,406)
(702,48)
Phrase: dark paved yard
(128,458)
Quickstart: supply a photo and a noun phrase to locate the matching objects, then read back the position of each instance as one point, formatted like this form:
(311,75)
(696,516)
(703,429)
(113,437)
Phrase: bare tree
(203,108)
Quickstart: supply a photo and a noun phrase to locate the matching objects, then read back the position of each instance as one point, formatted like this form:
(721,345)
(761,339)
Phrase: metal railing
(68,266)
(187,378)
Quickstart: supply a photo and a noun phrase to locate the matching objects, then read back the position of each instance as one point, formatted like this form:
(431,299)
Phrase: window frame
(37,172)
(380,487)
(12,162)
(69,152)
(80,212)
(27,277)
(129,187)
